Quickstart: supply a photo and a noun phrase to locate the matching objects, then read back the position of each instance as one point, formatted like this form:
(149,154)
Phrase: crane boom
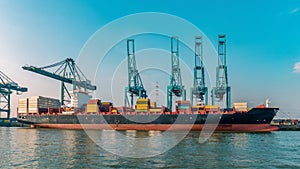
(66,71)
(59,78)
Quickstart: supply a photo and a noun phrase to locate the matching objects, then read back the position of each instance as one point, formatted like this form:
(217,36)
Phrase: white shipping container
(3,115)
(22,111)
(240,104)
(22,105)
(23,100)
(241,110)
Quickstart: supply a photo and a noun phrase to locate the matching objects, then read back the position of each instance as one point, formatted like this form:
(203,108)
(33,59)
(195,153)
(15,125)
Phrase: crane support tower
(67,72)
(135,85)
(222,88)
(6,87)
(199,92)
(175,87)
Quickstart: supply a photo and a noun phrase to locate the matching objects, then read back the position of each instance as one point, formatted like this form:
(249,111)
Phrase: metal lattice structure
(199,92)
(67,72)
(7,85)
(175,88)
(222,88)
(135,85)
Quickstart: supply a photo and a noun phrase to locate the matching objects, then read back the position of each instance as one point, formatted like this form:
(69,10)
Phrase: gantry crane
(68,73)
(135,84)
(222,88)
(199,90)
(175,88)
(6,87)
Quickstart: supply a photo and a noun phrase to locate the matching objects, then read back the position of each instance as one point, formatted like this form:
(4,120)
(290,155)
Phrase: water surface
(50,148)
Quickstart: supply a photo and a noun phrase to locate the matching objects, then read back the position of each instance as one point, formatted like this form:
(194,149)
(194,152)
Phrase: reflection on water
(136,144)
(45,148)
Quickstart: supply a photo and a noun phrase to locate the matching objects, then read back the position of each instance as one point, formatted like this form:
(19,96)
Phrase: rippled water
(48,148)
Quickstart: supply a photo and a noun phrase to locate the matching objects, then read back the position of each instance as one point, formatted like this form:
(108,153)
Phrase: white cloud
(295,10)
(297,67)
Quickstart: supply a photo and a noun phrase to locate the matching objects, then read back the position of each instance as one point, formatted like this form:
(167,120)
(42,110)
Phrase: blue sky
(263,46)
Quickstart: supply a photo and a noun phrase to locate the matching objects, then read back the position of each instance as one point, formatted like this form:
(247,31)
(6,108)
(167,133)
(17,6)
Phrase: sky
(263,49)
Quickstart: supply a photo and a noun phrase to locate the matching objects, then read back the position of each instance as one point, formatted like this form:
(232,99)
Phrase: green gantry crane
(175,87)
(222,88)
(68,73)
(135,85)
(7,85)
(199,92)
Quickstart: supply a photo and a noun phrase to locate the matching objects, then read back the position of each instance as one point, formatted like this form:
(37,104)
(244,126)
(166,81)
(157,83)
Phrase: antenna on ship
(157,93)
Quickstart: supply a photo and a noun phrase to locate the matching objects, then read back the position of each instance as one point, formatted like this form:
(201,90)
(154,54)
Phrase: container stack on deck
(37,105)
(106,106)
(23,106)
(212,108)
(154,108)
(242,106)
(93,106)
(198,109)
(183,105)
(142,105)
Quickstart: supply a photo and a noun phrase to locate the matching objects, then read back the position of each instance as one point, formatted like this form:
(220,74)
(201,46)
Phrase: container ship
(103,115)
(194,114)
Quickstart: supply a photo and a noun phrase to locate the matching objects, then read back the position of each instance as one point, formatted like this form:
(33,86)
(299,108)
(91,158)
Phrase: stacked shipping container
(142,105)
(242,106)
(106,106)
(183,104)
(93,106)
(23,106)
(38,104)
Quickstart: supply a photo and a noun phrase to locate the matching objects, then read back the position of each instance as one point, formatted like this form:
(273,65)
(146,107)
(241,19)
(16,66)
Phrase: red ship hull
(163,127)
